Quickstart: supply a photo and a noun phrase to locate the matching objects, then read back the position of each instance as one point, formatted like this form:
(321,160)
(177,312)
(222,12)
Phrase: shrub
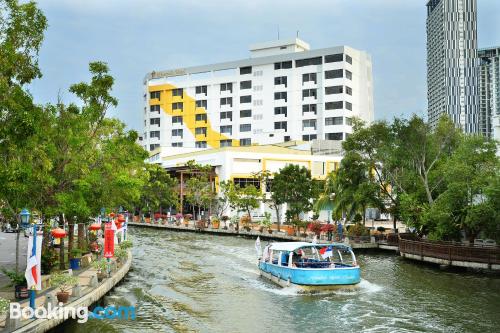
(50,259)
(63,281)
(121,254)
(245,219)
(357,218)
(381,229)
(4,305)
(266,221)
(17,279)
(328,228)
(358,230)
(76,253)
(315,227)
(126,244)
(100,265)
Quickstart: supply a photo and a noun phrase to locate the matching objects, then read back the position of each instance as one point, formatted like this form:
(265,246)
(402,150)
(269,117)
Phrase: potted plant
(266,222)
(101,266)
(234,222)
(187,218)
(215,223)
(147,217)
(121,254)
(315,227)
(74,262)
(4,305)
(245,221)
(225,218)
(126,244)
(19,282)
(178,218)
(64,282)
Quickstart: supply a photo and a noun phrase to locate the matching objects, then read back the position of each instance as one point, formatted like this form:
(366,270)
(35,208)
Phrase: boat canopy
(292,246)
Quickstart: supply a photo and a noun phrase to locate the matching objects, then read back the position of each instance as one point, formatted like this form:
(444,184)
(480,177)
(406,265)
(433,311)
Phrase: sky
(136,37)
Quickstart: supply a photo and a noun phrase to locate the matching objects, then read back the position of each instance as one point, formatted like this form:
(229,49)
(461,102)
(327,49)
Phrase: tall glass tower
(452,63)
(489,116)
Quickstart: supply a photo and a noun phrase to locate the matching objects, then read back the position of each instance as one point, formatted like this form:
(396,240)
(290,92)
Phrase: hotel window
(226,101)
(228,129)
(245,113)
(334,136)
(286,138)
(177,132)
(154,146)
(245,70)
(226,143)
(309,93)
(201,117)
(154,134)
(200,131)
(177,120)
(334,90)
(280,110)
(334,105)
(177,106)
(280,80)
(245,142)
(177,92)
(176,144)
(309,77)
(154,121)
(154,94)
(280,95)
(334,57)
(333,121)
(348,74)
(200,144)
(202,103)
(348,59)
(245,127)
(226,86)
(280,125)
(283,65)
(348,121)
(244,182)
(309,137)
(309,108)
(348,90)
(246,99)
(226,115)
(308,62)
(154,108)
(308,123)
(201,90)
(245,85)
(348,106)
(333,74)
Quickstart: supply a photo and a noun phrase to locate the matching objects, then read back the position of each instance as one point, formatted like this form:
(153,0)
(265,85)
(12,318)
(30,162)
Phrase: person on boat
(330,231)
(340,231)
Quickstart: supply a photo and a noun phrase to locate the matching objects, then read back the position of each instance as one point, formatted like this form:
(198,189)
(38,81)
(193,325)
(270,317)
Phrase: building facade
(452,63)
(283,92)
(242,165)
(489,116)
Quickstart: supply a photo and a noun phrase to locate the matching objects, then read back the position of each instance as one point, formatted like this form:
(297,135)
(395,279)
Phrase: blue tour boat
(310,266)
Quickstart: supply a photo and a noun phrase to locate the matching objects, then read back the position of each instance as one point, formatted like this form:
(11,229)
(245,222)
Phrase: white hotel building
(283,92)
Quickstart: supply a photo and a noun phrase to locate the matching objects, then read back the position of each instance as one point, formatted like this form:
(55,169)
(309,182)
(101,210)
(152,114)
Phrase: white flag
(33,272)
(257,246)
(315,240)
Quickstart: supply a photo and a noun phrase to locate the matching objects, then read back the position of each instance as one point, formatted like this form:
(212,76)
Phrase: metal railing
(409,243)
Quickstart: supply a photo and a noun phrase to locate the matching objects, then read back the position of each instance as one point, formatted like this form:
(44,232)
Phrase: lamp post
(25,220)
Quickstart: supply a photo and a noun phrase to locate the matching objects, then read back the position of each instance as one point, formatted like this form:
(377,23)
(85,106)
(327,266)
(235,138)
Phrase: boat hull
(327,278)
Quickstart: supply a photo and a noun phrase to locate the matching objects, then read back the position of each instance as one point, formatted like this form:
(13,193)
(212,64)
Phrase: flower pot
(21,292)
(290,231)
(270,231)
(215,225)
(62,296)
(148,219)
(74,263)
(101,276)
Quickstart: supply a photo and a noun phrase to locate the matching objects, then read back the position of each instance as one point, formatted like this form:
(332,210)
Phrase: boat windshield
(320,256)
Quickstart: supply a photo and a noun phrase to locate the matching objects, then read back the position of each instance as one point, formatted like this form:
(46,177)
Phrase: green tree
(242,199)
(293,185)
(159,189)
(199,188)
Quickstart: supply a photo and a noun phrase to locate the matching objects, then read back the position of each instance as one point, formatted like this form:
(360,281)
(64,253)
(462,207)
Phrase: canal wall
(265,236)
(94,294)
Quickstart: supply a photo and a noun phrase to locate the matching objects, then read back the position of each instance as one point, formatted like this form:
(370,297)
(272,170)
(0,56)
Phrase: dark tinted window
(308,62)
(334,57)
(246,70)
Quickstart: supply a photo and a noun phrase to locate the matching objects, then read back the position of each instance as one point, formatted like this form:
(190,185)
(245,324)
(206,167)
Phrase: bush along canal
(184,282)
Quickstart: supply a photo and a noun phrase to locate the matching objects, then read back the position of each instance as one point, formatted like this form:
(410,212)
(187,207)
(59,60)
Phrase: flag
(326,252)
(315,239)
(266,254)
(257,246)
(33,272)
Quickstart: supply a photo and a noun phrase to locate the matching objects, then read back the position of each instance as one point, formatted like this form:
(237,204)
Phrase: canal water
(187,282)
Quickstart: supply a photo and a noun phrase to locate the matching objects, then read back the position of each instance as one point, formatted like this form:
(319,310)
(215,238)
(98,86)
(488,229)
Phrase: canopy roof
(292,246)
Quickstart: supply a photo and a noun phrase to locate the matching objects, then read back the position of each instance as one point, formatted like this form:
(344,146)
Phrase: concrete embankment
(88,293)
